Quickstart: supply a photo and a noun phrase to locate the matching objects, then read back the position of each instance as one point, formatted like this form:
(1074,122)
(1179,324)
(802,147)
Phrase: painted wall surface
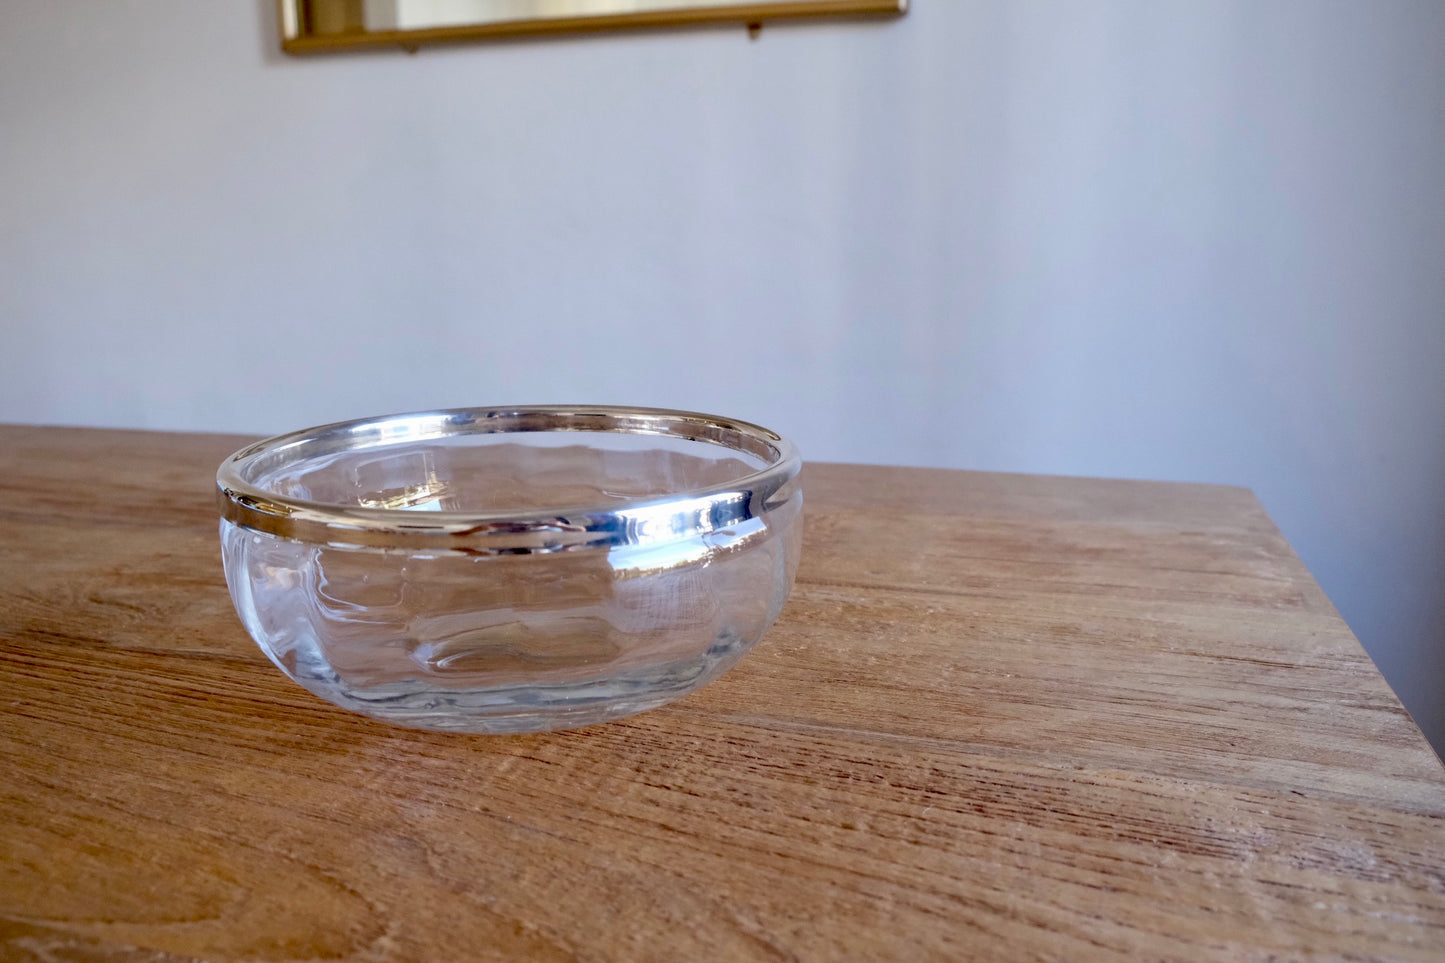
(1197,240)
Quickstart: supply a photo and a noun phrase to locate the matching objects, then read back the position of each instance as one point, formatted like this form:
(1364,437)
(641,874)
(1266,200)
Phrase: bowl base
(519,708)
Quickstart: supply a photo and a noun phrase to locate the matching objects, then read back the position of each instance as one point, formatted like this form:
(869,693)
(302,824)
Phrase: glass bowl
(511,569)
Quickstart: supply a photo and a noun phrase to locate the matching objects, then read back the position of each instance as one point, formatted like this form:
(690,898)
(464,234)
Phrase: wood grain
(1001,717)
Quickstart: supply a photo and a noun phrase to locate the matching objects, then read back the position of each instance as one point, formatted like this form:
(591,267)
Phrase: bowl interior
(503,471)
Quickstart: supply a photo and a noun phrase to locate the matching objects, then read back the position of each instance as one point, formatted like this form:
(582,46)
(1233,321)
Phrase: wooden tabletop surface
(1002,716)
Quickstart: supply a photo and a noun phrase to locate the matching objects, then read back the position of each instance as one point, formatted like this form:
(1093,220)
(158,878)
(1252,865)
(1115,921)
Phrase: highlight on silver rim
(492,532)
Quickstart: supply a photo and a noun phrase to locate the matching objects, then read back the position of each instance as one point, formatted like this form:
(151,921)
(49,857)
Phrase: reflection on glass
(422,14)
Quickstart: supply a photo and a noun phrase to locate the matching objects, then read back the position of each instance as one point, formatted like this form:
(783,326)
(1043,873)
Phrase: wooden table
(1002,716)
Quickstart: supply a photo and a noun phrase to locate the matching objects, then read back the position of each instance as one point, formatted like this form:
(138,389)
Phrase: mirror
(309,26)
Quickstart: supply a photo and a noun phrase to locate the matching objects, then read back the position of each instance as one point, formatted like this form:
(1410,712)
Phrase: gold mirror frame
(313,26)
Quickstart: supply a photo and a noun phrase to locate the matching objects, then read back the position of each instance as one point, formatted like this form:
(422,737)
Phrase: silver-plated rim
(643,521)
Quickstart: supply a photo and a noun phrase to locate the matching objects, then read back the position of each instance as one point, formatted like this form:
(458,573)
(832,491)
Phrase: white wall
(1193,240)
